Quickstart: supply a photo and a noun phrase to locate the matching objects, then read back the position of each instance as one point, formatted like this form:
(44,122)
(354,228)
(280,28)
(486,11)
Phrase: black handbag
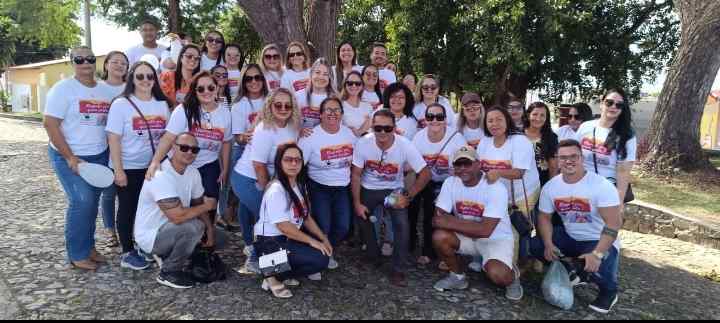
(206,266)
(519,220)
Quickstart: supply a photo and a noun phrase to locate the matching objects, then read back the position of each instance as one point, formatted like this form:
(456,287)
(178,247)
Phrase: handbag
(206,266)
(629,194)
(147,125)
(519,220)
(273,257)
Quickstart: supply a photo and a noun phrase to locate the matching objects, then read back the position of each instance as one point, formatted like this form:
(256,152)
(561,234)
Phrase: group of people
(306,155)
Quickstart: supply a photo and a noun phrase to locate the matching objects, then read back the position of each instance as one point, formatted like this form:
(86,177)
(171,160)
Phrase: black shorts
(210,174)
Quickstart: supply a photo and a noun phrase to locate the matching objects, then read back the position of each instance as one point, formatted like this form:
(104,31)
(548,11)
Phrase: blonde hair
(305,51)
(329,89)
(261,59)
(419,98)
(344,94)
(268,119)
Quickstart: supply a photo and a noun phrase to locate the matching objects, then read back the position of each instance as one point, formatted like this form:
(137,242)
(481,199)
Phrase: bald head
(186,138)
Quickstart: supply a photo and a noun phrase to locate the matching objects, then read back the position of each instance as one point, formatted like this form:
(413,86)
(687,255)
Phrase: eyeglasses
(220,75)
(201,89)
(256,78)
(80,60)
(272,57)
(429,88)
(214,40)
(432,117)
(473,107)
(620,105)
(142,77)
(186,148)
(282,106)
(292,160)
(335,111)
(351,84)
(300,54)
(385,129)
(192,57)
(569,158)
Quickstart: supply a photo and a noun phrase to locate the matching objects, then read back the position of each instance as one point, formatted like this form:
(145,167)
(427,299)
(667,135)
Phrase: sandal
(86,264)
(279,290)
(96,257)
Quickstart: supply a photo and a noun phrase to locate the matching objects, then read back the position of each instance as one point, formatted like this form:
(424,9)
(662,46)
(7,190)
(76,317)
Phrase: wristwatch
(599,255)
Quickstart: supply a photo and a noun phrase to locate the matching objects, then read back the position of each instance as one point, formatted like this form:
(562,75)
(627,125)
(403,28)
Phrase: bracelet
(610,232)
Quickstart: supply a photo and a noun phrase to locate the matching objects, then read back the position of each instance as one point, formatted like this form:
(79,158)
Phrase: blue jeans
(606,278)
(83,200)
(107,207)
(331,210)
(250,198)
(304,259)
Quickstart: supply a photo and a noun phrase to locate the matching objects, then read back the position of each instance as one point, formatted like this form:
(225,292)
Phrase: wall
(650,219)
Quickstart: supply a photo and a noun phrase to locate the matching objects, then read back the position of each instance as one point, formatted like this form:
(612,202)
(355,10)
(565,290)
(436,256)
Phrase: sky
(107,37)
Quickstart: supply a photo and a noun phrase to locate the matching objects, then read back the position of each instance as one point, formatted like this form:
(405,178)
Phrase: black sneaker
(177,280)
(604,303)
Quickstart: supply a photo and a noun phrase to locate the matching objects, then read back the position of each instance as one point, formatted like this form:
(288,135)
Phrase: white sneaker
(315,277)
(332,265)
(387,250)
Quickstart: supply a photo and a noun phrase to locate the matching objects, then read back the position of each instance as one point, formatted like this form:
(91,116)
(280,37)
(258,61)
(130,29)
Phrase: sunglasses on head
(186,148)
(272,57)
(142,77)
(620,105)
(351,83)
(300,54)
(215,40)
(80,60)
(201,89)
(432,117)
(256,78)
(282,106)
(385,129)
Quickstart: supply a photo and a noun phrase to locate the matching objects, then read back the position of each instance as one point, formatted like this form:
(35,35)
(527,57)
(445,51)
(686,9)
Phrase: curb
(17,117)
(648,218)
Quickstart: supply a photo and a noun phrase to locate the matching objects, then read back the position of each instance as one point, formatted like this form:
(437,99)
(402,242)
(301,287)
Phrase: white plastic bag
(556,287)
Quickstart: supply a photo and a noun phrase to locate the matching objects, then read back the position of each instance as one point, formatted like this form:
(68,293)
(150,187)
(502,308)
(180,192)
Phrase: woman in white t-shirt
(372,94)
(285,213)
(297,70)
(356,113)
(410,80)
(346,62)
(399,99)
(271,62)
(577,115)
(233,62)
(136,118)
(277,124)
(328,153)
(609,144)
(437,143)
(471,119)
(75,118)
(213,50)
(310,98)
(221,76)
(509,157)
(428,92)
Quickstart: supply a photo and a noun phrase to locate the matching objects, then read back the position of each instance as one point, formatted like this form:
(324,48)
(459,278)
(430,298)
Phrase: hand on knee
(499,273)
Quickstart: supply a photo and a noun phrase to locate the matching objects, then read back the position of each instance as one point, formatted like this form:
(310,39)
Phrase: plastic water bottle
(392,199)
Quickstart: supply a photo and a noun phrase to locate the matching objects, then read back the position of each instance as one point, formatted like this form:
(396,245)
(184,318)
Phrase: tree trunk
(674,134)
(322,29)
(277,21)
(174,15)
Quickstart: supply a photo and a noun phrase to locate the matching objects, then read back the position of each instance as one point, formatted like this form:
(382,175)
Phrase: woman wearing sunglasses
(297,73)
(277,124)
(234,64)
(428,92)
(213,50)
(372,94)
(470,119)
(345,63)
(136,118)
(309,99)
(437,143)
(271,62)
(75,118)
(609,144)
(221,75)
(357,113)
(176,84)
(579,113)
(545,141)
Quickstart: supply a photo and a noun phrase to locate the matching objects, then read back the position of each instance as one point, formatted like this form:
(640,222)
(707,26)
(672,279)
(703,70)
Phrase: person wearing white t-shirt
(399,100)
(437,143)
(429,93)
(357,113)
(297,72)
(346,62)
(609,144)
(286,209)
(309,99)
(590,209)
(472,219)
(372,93)
(172,214)
(212,51)
(577,115)
(471,119)
(75,118)
(271,62)
(234,67)
(329,153)
(378,173)
(136,122)
(379,58)
(278,124)
(149,33)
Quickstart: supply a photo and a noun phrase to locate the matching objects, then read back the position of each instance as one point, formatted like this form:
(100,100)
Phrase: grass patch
(38,115)
(712,276)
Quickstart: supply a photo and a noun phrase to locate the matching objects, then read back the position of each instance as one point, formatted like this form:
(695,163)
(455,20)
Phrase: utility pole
(88,32)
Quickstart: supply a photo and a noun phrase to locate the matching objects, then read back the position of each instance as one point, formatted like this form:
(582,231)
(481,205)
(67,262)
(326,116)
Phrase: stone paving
(659,277)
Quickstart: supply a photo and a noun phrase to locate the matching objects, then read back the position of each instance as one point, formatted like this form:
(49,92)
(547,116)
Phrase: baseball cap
(466,152)
(470,97)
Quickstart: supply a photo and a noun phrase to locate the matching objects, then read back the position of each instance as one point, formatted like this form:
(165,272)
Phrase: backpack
(206,266)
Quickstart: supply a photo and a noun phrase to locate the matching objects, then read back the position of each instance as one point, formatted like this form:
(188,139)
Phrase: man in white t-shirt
(172,215)
(379,58)
(472,219)
(149,33)
(590,210)
(378,175)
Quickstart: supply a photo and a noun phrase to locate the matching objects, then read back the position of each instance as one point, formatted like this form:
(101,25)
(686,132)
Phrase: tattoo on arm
(610,232)
(169,203)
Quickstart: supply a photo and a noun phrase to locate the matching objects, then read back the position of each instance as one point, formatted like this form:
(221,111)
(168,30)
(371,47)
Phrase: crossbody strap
(595,150)
(147,125)
(512,184)
(434,166)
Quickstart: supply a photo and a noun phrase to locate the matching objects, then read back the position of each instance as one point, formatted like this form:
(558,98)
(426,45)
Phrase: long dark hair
(339,66)
(409,99)
(377,85)
(204,50)
(226,90)
(129,90)
(511,129)
(243,85)
(192,103)
(178,70)
(302,181)
(584,111)
(622,130)
(106,73)
(242,55)
(547,135)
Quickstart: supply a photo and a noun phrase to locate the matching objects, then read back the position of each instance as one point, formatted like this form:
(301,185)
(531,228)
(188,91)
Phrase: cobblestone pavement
(659,277)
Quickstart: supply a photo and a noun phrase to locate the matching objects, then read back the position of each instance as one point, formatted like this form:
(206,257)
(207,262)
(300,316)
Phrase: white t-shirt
(517,153)
(116,89)
(578,204)
(273,80)
(83,112)
(210,135)
(329,157)
(124,121)
(606,160)
(276,208)
(384,170)
(295,81)
(207,63)
(310,112)
(245,113)
(408,127)
(387,77)
(166,184)
(371,98)
(475,203)
(134,54)
(355,117)
(439,161)
(263,149)
(234,82)
(474,136)
(421,108)
(565,133)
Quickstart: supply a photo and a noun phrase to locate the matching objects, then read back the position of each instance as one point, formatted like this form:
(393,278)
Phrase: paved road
(658,277)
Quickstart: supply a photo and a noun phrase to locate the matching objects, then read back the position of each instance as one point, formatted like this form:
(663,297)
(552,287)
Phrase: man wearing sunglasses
(149,33)
(378,161)
(172,213)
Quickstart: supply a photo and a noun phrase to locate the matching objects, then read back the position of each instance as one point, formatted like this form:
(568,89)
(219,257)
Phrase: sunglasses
(429,88)
(256,78)
(371,74)
(300,54)
(282,106)
(79,60)
(192,57)
(472,108)
(432,117)
(272,57)
(220,75)
(463,163)
(620,105)
(351,84)
(385,129)
(574,117)
(142,77)
(186,148)
(201,89)
(515,107)
(214,40)
(292,160)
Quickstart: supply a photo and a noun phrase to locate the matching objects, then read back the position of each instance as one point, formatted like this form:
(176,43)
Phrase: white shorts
(499,250)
